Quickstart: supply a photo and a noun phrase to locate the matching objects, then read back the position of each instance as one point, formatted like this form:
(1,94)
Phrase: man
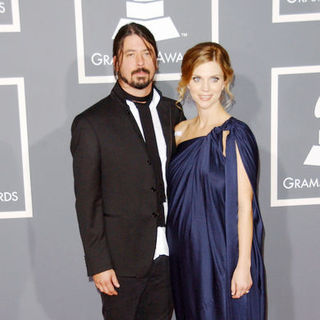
(121,147)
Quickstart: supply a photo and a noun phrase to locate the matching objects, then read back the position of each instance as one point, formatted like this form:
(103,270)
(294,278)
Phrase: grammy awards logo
(313,157)
(173,32)
(149,13)
(15,186)
(295,161)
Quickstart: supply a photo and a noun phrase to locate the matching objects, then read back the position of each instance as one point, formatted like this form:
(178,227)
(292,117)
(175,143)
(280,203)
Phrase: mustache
(139,70)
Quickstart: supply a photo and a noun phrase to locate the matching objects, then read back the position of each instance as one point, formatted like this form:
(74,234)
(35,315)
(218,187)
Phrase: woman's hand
(241,281)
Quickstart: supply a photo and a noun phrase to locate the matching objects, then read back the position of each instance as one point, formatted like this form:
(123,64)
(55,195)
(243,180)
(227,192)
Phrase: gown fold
(202,226)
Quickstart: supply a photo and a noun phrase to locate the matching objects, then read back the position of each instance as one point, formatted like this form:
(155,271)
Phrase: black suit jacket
(114,185)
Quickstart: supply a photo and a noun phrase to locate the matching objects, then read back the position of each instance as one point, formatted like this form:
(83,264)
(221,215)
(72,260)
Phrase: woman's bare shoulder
(183,125)
(181,129)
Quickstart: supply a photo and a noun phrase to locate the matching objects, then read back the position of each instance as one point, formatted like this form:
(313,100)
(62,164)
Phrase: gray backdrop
(54,63)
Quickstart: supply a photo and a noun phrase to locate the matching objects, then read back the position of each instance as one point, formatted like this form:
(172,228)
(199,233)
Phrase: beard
(138,83)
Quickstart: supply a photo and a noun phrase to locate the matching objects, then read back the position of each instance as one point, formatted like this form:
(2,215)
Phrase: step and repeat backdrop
(56,60)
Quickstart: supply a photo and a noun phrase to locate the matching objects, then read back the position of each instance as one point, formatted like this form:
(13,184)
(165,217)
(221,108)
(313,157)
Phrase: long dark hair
(128,30)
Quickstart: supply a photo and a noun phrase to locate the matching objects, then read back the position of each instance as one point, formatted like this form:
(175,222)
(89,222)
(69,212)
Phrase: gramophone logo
(151,15)
(313,157)
(295,136)
(96,26)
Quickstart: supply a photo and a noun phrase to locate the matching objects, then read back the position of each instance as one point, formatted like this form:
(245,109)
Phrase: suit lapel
(164,117)
(128,116)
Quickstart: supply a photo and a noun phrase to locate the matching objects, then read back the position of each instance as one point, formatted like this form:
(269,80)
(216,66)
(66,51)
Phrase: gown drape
(202,226)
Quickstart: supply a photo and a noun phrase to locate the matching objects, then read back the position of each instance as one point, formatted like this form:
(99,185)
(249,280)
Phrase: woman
(214,225)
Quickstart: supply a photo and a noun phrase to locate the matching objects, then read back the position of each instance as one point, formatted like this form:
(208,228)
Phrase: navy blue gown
(202,226)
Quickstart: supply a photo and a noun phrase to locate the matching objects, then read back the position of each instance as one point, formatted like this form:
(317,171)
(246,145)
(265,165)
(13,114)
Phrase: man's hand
(106,281)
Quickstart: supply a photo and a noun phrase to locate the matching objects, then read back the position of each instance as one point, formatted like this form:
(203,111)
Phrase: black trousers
(148,298)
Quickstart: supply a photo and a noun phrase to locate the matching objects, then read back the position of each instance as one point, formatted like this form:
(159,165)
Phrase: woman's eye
(196,79)
(215,79)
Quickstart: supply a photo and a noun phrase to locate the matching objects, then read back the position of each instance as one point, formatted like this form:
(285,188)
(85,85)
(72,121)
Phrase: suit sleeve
(87,185)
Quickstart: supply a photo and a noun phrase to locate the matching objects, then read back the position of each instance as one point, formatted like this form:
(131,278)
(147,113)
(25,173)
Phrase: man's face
(137,66)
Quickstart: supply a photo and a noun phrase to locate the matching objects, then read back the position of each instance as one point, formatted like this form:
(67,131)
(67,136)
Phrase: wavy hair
(202,53)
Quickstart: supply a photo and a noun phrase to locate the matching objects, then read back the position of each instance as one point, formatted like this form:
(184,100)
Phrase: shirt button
(155,214)
(153,189)
(149,162)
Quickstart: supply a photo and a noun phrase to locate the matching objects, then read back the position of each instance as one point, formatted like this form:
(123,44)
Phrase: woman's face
(206,85)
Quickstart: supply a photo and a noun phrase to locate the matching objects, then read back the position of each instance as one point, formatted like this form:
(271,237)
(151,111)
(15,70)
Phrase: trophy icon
(149,13)
(313,157)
